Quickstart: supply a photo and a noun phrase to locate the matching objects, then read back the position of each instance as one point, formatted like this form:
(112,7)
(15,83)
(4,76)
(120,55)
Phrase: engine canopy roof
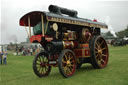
(35,17)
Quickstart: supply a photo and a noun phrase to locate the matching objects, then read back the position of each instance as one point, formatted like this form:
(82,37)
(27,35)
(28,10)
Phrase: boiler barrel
(59,45)
(60,10)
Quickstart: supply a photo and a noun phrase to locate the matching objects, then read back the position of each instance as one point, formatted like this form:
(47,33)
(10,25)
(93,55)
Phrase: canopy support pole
(46,27)
(29,26)
(27,31)
(42,25)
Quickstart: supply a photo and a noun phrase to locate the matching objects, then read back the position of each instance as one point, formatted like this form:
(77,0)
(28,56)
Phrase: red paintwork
(35,38)
(87,52)
(78,52)
(35,17)
(75,44)
(84,46)
(83,51)
(39,37)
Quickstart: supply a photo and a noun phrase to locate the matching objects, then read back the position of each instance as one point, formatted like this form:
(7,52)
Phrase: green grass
(18,71)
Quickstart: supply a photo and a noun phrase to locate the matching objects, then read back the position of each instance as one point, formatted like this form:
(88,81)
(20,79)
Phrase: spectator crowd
(28,51)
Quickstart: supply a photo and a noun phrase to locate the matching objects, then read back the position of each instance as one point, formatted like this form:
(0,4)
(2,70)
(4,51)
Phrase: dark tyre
(41,65)
(99,52)
(67,63)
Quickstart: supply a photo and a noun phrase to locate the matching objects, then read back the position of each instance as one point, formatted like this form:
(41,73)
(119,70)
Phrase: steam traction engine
(68,41)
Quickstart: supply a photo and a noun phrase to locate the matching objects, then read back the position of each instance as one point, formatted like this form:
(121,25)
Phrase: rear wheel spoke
(102,61)
(96,50)
(101,42)
(97,44)
(103,48)
(99,49)
(97,55)
(64,61)
(99,62)
(104,55)
(66,57)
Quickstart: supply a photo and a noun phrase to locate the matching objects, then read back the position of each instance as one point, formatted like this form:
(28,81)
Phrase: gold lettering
(62,20)
(66,20)
(75,22)
(72,22)
(69,21)
(53,19)
(57,19)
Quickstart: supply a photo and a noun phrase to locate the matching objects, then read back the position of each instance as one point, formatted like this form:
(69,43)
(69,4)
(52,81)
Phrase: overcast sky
(113,12)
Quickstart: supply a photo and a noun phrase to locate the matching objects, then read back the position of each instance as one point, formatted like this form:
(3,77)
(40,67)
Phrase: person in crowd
(1,54)
(5,58)
(31,51)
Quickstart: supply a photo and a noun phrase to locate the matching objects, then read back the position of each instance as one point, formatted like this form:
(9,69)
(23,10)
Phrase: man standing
(1,54)
(4,58)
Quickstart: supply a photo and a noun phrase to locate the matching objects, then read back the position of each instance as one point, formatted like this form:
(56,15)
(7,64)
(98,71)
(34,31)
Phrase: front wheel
(41,65)
(67,63)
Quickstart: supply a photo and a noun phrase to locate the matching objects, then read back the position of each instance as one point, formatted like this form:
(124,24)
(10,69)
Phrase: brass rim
(68,63)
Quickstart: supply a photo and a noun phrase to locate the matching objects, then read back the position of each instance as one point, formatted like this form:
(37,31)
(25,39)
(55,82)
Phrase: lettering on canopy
(68,21)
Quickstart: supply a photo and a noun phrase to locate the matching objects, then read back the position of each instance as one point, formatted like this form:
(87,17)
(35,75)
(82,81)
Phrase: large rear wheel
(99,52)
(41,65)
(67,63)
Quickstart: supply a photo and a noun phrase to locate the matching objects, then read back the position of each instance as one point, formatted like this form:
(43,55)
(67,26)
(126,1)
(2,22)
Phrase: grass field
(18,71)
